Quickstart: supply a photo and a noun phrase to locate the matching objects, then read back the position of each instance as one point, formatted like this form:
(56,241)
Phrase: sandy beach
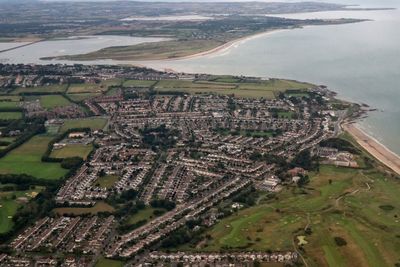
(376,149)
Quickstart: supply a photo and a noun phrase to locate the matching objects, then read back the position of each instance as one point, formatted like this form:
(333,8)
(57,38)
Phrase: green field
(266,89)
(10,98)
(138,83)
(150,51)
(92,87)
(10,115)
(82,96)
(9,206)
(338,202)
(41,89)
(52,101)
(27,159)
(72,151)
(102,262)
(107,181)
(92,123)
(99,207)
(4,105)
(144,214)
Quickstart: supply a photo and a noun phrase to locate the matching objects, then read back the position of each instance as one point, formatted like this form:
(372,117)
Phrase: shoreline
(223,47)
(374,147)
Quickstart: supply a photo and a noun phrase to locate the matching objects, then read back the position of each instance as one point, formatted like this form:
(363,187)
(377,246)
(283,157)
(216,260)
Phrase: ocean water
(360,61)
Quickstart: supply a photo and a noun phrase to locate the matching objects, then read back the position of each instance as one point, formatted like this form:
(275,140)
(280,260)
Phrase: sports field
(27,159)
(52,101)
(92,123)
(360,206)
(68,151)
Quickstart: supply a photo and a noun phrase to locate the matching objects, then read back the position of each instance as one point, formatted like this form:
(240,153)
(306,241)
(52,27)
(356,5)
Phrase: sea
(359,61)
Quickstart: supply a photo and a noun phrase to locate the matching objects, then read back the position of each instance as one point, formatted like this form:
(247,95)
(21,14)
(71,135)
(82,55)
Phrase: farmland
(68,151)
(26,159)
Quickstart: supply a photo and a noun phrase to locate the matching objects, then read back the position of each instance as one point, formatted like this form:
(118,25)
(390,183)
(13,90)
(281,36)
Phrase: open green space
(93,87)
(78,97)
(99,207)
(103,262)
(10,98)
(92,123)
(107,181)
(73,150)
(227,86)
(146,214)
(138,83)
(10,115)
(26,159)
(338,202)
(9,203)
(52,101)
(4,105)
(41,89)
(150,51)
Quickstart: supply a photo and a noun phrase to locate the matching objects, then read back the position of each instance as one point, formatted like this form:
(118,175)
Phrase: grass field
(92,87)
(99,207)
(52,101)
(82,96)
(150,51)
(103,262)
(10,98)
(8,104)
(227,86)
(72,151)
(27,159)
(107,181)
(145,214)
(9,206)
(92,123)
(138,83)
(10,115)
(41,89)
(338,202)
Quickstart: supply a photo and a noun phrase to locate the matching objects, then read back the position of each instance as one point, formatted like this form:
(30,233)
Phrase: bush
(71,163)
(340,241)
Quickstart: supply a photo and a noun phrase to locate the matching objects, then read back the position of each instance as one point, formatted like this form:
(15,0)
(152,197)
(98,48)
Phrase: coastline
(223,47)
(374,147)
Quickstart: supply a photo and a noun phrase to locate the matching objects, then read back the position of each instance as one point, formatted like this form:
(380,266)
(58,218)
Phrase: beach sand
(376,149)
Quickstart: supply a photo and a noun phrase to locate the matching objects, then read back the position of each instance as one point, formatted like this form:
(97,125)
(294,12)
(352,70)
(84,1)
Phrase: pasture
(26,159)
